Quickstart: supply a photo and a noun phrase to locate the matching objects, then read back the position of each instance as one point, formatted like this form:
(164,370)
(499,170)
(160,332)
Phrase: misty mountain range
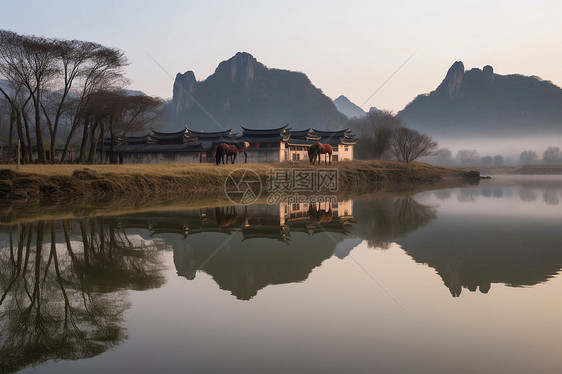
(481,102)
(243,91)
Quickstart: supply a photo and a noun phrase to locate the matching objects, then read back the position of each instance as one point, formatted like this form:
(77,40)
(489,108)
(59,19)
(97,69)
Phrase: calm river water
(461,280)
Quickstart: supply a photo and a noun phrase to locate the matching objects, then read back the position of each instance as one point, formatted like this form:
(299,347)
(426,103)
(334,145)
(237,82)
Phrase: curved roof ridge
(280,129)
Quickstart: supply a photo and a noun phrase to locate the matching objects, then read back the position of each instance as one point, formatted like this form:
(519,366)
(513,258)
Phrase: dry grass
(140,184)
(380,169)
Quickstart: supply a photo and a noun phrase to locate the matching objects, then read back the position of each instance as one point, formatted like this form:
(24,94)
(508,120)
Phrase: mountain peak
(185,86)
(240,68)
(348,108)
(244,91)
(453,80)
(480,101)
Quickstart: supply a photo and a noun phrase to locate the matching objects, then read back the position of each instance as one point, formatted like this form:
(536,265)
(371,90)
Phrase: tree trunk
(101,142)
(29,150)
(93,143)
(38,132)
(11,136)
(84,143)
(111,146)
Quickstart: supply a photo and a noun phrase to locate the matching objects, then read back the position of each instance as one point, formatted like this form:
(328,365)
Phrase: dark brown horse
(224,151)
(317,149)
(229,152)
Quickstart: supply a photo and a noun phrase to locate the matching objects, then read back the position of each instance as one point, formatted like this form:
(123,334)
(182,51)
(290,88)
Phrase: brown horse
(242,147)
(223,151)
(229,152)
(317,149)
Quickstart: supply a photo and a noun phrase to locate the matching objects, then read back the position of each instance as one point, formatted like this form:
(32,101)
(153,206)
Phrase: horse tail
(215,151)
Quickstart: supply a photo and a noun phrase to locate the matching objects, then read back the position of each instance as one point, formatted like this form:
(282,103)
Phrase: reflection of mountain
(263,245)
(382,220)
(245,267)
(61,289)
(473,252)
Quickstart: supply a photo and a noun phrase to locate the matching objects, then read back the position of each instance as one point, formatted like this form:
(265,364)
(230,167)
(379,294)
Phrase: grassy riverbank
(63,182)
(71,191)
(51,191)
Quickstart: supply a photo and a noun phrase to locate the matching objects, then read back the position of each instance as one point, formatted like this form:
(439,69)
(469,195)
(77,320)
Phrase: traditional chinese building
(342,142)
(188,146)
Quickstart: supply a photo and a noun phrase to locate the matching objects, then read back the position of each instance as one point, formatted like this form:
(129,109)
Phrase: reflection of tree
(550,197)
(467,196)
(498,192)
(382,220)
(55,298)
(110,261)
(443,194)
(527,194)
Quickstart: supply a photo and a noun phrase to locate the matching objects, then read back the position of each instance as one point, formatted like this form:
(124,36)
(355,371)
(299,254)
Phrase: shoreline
(90,189)
(54,191)
(68,183)
(53,183)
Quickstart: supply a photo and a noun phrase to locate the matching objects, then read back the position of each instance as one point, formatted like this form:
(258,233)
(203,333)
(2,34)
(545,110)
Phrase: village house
(265,145)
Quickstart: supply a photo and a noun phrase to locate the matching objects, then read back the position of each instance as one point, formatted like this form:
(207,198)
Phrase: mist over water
(509,147)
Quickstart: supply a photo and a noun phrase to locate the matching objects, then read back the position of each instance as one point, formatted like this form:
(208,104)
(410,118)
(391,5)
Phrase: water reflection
(63,288)
(261,245)
(380,221)
(63,284)
(528,190)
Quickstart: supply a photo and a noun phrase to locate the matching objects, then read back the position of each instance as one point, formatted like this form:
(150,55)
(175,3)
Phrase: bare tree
(375,132)
(498,160)
(528,157)
(102,70)
(113,115)
(552,155)
(468,157)
(407,145)
(58,77)
(30,62)
(444,156)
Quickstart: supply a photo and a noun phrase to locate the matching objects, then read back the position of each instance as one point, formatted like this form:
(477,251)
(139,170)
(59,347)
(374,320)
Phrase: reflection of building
(269,244)
(254,221)
(299,210)
(266,145)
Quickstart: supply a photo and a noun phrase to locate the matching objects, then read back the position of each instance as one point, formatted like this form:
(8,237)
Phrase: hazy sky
(345,47)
